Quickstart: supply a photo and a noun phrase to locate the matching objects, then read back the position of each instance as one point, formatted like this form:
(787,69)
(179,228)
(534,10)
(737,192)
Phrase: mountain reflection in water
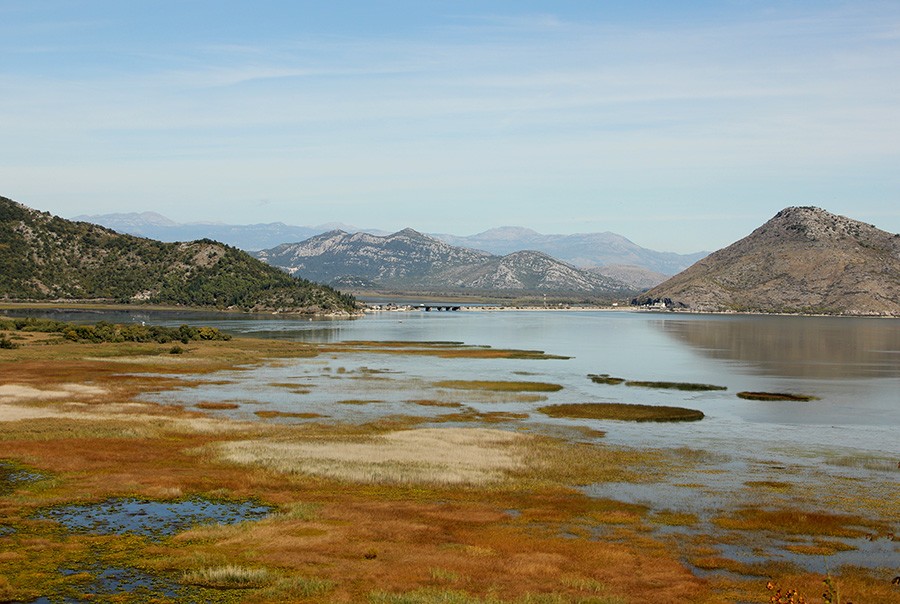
(807,347)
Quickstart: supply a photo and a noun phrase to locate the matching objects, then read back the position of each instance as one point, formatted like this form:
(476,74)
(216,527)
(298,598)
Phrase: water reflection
(808,347)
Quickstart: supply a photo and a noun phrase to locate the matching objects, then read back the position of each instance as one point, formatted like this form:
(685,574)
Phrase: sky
(680,125)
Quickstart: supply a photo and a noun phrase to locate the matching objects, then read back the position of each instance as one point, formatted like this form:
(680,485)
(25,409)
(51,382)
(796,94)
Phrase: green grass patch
(499,386)
(776,396)
(622,411)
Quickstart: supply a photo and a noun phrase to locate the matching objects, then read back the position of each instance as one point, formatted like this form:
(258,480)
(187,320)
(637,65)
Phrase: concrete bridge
(437,307)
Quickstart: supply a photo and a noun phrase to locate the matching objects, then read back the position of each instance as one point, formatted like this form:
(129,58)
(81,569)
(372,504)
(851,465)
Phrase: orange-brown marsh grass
(799,522)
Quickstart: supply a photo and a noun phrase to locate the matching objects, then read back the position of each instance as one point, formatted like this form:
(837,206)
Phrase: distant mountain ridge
(586,250)
(248,237)
(409,260)
(44,257)
(803,260)
(583,250)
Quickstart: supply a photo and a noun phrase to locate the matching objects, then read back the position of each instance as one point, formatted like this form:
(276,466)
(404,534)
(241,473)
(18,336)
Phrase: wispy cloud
(524,109)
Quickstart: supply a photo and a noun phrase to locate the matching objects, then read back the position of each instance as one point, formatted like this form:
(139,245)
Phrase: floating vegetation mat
(605,378)
(776,396)
(153,519)
(499,386)
(287,414)
(622,411)
(675,385)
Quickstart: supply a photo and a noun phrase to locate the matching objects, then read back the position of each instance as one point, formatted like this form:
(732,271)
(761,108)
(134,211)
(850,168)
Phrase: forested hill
(44,257)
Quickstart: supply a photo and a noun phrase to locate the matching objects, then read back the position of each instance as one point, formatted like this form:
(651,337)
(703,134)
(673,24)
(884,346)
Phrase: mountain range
(584,250)
(638,266)
(44,257)
(411,261)
(804,259)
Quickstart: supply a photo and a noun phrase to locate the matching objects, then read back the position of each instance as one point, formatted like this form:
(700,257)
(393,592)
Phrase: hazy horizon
(681,126)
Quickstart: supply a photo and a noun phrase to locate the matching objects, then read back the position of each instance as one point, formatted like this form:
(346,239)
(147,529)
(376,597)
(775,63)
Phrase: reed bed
(228,577)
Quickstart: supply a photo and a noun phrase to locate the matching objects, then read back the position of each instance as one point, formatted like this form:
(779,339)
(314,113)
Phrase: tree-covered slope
(44,257)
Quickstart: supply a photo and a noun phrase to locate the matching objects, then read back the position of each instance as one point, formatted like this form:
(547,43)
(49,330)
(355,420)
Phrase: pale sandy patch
(14,413)
(430,455)
(19,393)
(14,399)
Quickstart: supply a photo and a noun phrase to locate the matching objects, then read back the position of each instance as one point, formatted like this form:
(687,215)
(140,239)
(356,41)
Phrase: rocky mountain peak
(816,225)
(804,259)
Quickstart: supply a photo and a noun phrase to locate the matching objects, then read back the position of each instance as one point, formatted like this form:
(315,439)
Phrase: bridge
(437,307)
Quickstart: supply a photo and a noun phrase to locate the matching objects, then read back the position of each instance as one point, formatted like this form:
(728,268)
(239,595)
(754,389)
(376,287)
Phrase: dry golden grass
(228,577)
(431,456)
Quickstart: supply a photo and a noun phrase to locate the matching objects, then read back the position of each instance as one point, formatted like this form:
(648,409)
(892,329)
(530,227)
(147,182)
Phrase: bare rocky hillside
(804,260)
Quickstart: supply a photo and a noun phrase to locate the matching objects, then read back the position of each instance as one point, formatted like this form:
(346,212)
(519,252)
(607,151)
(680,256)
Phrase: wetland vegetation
(432,498)
(623,412)
(776,396)
(605,378)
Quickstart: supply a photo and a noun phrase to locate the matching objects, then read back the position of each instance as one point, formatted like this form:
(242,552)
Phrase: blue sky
(681,125)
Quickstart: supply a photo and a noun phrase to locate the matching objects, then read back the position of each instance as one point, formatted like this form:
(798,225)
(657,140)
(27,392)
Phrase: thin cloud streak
(508,110)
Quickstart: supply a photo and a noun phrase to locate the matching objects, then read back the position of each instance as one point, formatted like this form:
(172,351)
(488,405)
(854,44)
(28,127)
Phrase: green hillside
(44,257)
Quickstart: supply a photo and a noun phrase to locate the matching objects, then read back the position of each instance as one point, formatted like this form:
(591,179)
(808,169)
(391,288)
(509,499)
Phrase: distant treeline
(114,332)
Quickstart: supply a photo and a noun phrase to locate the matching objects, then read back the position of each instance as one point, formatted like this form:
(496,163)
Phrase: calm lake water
(841,449)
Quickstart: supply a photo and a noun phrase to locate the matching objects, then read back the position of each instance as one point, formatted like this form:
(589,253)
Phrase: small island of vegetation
(622,411)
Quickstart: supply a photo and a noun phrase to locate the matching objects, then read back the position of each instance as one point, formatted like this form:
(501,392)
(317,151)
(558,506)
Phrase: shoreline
(378,308)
